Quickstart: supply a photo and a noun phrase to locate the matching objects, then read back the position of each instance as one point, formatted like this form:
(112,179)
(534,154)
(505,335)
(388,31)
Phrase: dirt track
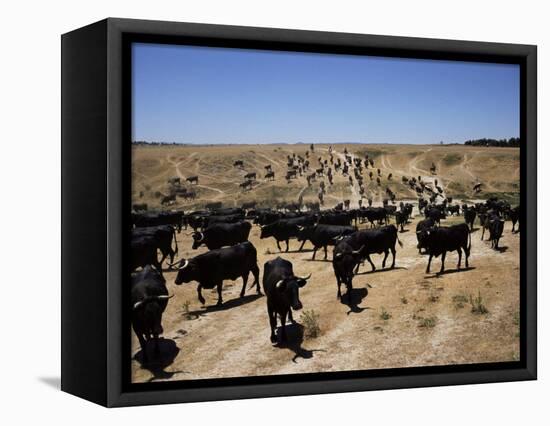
(429,319)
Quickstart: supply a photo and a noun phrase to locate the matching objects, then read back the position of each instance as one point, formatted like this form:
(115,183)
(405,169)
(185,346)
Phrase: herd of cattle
(225,232)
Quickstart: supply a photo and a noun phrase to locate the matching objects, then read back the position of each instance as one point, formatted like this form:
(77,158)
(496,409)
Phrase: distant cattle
(290,174)
(149,297)
(247,184)
(212,268)
(213,205)
(238,163)
(282,290)
(422,226)
(270,175)
(168,199)
(513,214)
(193,179)
(250,176)
(439,240)
(400,219)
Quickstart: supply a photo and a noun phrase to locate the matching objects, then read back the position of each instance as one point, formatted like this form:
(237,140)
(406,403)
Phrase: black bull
(149,298)
(211,268)
(371,241)
(440,240)
(219,235)
(281,288)
(322,235)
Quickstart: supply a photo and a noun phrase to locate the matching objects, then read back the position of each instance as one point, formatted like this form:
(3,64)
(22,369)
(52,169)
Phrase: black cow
(162,235)
(344,260)
(282,290)
(336,218)
(250,176)
(284,229)
(211,268)
(400,219)
(270,175)
(168,199)
(470,217)
(371,241)
(238,163)
(440,240)
(175,218)
(435,214)
(143,252)
(374,214)
(193,179)
(223,218)
(322,236)
(513,215)
(222,234)
(149,298)
(247,184)
(496,228)
(267,217)
(420,228)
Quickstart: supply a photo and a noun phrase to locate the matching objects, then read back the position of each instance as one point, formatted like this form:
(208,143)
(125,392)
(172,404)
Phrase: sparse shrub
(433,298)
(310,321)
(459,300)
(404,300)
(477,305)
(385,315)
(427,322)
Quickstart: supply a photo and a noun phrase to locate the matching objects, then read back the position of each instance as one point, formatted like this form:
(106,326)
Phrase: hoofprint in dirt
(395,318)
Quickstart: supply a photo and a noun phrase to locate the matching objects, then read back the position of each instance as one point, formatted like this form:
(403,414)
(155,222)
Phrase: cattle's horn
(358,251)
(184,265)
(201,236)
(307,277)
(300,228)
(138,304)
(164,297)
(279,284)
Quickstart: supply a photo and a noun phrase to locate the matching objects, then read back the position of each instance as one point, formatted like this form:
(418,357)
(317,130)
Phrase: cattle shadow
(449,271)
(294,340)
(501,249)
(404,230)
(309,259)
(353,299)
(380,270)
(232,303)
(157,361)
(474,229)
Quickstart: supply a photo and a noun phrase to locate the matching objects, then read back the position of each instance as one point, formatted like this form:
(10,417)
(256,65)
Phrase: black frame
(96,156)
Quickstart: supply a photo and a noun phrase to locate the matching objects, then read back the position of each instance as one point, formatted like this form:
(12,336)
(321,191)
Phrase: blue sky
(191,94)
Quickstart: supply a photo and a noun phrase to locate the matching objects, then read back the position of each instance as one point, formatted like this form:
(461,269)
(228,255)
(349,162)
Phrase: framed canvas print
(253,212)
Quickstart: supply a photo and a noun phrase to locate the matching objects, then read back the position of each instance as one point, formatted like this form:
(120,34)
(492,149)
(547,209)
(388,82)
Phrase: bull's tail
(398,240)
(469,243)
(175,241)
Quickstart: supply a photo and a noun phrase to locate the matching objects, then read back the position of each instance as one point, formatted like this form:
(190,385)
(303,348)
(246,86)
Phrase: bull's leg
(459,257)
(371,264)
(278,246)
(142,344)
(199,292)
(392,257)
(466,256)
(442,262)
(272,323)
(429,263)
(482,232)
(302,246)
(385,257)
(286,245)
(314,252)
(326,254)
(245,280)
(290,317)
(256,273)
(283,331)
(219,287)
(338,282)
